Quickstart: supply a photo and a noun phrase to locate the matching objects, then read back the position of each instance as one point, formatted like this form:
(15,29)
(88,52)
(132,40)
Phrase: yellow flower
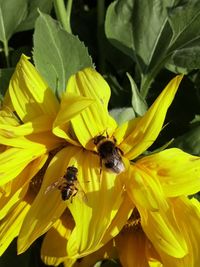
(108,205)
(105,195)
(134,248)
(27,142)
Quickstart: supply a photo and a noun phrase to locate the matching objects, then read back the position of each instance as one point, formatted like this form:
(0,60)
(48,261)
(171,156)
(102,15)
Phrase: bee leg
(122,153)
(74,194)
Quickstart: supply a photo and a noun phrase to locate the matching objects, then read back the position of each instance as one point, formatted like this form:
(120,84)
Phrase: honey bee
(109,153)
(67,184)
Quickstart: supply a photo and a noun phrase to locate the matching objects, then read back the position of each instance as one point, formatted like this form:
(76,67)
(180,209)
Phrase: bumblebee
(67,184)
(109,153)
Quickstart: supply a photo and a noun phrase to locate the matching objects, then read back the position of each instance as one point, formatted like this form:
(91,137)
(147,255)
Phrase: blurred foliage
(137,45)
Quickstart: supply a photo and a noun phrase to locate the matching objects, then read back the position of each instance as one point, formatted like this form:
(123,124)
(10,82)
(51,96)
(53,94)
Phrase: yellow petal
(11,224)
(40,124)
(30,95)
(19,186)
(141,134)
(43,140)
(177,171)
(14,160)
(162,230)
(48,205)
(95,119)
(94,217)
(143,189)
(53,250)
(7,117)
(130,244)
(120,218)
(71,105)
(187,213)
(155,264)
(106,252)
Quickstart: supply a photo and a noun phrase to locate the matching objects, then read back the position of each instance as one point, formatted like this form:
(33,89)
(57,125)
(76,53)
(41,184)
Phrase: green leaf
(162,33)
(32,13)
(122,115)
(138,103)
(118,26)
(185,43)
(150,33)
(190,141)
(57,54)
(12,12)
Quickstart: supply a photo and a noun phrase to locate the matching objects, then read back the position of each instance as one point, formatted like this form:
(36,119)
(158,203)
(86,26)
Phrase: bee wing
(54,185)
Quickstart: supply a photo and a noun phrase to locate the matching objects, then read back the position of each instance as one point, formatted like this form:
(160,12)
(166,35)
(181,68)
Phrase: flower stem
(64,13)
(6,52)
(100,24)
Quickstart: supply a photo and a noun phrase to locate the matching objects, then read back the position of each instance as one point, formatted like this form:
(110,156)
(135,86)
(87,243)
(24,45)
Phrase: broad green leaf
(151,31)
(32,13)
(190,141)
(151,35)
(122,115)
(138,103)
(57,54)
(185,43)
(118,26)
(187,58)
(184,21)
(12,12)
(164,32)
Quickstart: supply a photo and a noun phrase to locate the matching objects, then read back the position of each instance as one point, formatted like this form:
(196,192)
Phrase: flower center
(134,221)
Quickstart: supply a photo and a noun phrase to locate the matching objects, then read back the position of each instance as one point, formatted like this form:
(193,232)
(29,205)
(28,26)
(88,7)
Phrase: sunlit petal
(140,135)
(7,117)
(104,199)
(71,105)
(162,230)
(40,124)
(14,160)
(143,189)
(19,186)
(106,252)
(11,224)
(42,216)
(187,213)
(177,171)
(95,119)
(30,95)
